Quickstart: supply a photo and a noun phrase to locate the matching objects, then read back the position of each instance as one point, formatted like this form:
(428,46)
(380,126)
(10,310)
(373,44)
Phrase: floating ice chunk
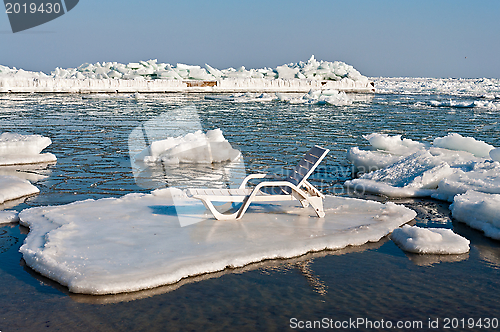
(407,176)
(495,154)
(444,172)
(478,210)
(8,217)
(12,187)
(195,147)
(452,103)
(12,144)
(430,240)
(386,150)
(92,246)
(393,143)
(482,176)
(458,142)
(24,149)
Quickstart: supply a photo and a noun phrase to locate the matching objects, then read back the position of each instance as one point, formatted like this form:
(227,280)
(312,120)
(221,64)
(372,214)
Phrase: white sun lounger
(293,187)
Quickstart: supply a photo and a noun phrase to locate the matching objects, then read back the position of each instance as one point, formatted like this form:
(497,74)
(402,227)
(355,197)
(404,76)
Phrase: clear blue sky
(431,38)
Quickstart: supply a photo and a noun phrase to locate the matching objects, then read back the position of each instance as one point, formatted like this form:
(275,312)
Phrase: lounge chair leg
(219,216)
(317,205)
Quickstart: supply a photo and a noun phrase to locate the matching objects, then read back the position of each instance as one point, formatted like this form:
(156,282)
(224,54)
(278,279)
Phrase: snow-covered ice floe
(136,242)
(15,150)
(196,148)
(151,76)
(448,167)
(430,240)
(478,210)
(8,217)
(12,187)
(18,149)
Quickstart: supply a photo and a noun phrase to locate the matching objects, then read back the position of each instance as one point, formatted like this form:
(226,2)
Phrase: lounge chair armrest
(249,177)
(279,184)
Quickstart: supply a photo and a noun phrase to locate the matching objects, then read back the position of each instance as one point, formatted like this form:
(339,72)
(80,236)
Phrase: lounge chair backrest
(307,165)
(302,171)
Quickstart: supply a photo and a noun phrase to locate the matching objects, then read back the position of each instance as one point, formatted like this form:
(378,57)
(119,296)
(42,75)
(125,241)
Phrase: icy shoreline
(150,76)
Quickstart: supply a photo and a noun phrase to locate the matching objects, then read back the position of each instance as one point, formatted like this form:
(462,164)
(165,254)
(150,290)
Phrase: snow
(23,149)
(457,142)
(430,240)
(453,165)
(8,217)
(136,242)
(478,210)
(151,76)
(403,168)
(452,103)
(12,187)
(196,147)
(319,97)
(487,88)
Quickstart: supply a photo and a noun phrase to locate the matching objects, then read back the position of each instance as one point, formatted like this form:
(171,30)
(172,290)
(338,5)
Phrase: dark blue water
(374,282)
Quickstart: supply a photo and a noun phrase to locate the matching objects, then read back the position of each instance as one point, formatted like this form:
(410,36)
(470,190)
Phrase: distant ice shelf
(151,76)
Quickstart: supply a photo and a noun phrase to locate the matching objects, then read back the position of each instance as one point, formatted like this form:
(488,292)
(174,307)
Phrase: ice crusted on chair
(195,147)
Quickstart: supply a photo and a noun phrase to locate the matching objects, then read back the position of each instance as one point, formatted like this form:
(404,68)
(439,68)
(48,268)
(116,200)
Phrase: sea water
(371,283)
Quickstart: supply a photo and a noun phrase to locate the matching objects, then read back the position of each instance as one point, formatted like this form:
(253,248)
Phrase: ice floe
(8,217)
(153,76)
(136,242)
(478,210)
(430,240)
(24,149)
(450,166)
(197,147)
(12,187)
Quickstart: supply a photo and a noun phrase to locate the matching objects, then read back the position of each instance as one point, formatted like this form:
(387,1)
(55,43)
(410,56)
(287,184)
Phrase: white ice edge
(135,242)
(7,217)
(12,187)
(478,210)
(196,147)
(17,149)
